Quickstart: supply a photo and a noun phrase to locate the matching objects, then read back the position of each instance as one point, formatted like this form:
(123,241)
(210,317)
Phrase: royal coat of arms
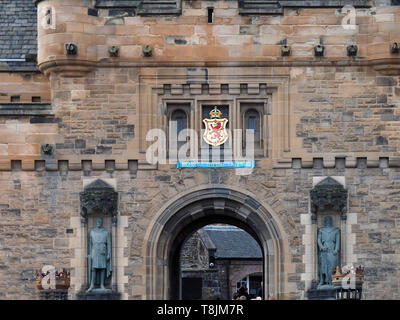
(215,132)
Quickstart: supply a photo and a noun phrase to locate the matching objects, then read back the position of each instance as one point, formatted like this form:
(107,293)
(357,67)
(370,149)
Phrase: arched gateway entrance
(205,205)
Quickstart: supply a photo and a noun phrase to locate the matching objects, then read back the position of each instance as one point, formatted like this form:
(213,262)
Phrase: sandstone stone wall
(334,112)
(330,116)
(36,210)
(189,37)
(325,96)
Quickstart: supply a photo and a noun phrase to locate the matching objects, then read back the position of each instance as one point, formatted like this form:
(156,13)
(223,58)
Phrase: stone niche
(99,200)
(329,198)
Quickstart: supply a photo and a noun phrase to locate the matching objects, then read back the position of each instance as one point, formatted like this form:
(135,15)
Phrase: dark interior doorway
(192,288)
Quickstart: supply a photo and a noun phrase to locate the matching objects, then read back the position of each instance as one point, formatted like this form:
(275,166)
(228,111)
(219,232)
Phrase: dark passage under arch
(196,210)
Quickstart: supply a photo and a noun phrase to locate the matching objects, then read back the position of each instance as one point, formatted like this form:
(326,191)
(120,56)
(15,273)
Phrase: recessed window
(15,98)
(177,113)
(210,15)
(48,16)
(252,122)
(36,99)
(252,115)
(181,120)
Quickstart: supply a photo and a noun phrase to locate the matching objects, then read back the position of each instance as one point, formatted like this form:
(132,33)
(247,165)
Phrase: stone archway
(204,205)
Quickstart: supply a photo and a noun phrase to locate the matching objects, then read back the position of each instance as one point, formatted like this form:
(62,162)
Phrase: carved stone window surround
(168,107)
(265,118)
(156,89)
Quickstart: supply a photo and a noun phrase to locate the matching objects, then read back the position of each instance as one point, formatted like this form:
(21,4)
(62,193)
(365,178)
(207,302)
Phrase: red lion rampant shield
(215,132)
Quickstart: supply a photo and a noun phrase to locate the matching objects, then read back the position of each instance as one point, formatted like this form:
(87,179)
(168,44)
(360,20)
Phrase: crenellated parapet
(180,32)
(312,163)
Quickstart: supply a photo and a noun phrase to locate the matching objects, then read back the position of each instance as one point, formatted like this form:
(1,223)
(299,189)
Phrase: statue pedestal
(98,294)
(335,293)
(323,293)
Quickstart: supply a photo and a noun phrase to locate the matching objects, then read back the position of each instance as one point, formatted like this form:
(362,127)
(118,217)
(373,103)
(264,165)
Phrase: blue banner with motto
(209,164)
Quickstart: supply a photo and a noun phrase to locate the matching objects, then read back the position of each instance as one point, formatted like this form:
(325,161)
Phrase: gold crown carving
(215,113)
(338,275)
(63,279)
